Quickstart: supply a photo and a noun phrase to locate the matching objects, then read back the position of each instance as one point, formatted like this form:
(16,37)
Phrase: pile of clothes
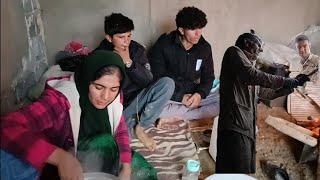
(68,59)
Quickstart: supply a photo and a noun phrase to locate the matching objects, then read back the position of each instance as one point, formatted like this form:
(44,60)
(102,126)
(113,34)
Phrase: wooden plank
(301,107)
(315,98)
(297,132)
(200,124)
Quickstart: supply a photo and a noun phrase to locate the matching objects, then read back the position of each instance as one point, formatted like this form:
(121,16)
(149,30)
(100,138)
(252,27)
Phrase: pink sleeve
(17,138)
(122,138)
(22,132)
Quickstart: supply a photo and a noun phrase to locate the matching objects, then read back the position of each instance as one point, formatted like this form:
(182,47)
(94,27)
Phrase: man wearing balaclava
(240,84)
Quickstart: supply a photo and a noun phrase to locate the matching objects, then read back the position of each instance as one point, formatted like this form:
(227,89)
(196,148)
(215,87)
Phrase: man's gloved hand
(302,78)
(290,83)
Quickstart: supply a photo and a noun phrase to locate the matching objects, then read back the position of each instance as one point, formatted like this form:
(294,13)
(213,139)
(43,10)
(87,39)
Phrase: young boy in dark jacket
(143,98)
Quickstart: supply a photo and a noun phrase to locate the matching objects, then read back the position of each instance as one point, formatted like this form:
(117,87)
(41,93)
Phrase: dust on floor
(275,146)
(271,145)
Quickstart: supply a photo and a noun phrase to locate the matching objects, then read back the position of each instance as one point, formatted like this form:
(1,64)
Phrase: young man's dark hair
(248,37)
(191,18)
(117,23)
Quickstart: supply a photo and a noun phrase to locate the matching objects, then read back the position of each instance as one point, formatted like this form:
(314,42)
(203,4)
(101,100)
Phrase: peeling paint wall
(83,20)
(23,51)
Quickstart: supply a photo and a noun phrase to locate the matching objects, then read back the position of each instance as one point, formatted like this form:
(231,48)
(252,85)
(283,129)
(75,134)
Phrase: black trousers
(235,153)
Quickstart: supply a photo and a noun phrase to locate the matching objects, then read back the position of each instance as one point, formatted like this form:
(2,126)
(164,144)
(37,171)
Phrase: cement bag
(281,54)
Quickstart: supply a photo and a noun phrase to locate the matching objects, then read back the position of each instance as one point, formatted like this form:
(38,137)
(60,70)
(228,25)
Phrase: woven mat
(174,148)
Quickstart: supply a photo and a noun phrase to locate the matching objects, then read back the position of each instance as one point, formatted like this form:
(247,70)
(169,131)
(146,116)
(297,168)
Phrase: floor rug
(174,148)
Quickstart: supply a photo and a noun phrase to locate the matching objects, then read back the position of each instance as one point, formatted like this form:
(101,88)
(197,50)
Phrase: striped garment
(33,132)
(174,148)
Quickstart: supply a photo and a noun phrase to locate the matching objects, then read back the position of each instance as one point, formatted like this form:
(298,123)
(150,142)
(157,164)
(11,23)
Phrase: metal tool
(308,154)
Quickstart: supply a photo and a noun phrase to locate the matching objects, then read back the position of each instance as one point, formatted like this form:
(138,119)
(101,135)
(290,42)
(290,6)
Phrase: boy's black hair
(117,23)
(301,37)
(245,37)
(191,18)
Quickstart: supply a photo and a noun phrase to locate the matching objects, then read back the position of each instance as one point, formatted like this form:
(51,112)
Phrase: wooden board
(300,108)
(297,132)
(200,124)
(315,97)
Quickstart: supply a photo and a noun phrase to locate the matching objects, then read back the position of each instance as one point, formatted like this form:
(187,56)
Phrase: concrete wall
(23,52)
(274,20)
(83,20)
(13,47)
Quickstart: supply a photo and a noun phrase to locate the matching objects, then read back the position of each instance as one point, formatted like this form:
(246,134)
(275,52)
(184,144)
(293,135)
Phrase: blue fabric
(209,107)
(149,103)
(215,85)
(13,168)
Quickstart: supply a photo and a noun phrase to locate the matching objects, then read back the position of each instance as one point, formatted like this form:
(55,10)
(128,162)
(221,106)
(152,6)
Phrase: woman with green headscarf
(98,82)
(75,126)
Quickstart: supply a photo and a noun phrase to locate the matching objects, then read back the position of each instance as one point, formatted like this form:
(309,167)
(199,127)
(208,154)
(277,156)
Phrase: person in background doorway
(310,62)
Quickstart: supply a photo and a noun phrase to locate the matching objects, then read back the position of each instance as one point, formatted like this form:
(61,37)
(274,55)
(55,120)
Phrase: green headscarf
(94,121)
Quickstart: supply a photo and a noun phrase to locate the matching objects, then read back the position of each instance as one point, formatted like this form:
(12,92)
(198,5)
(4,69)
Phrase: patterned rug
(174,148)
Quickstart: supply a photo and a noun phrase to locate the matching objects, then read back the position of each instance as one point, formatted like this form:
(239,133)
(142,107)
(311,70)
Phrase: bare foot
(168,123)
(144,138)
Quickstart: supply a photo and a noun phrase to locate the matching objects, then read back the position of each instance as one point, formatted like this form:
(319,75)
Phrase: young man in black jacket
(186,57)
(143,98)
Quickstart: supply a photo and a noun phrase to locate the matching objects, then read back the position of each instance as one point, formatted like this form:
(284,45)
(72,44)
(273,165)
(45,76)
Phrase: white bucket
(99,176)
(213,140)
(230,176)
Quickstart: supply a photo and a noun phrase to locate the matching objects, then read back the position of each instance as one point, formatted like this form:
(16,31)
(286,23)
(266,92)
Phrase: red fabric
(36,130)
(77,47)
(122,138)
(23,132)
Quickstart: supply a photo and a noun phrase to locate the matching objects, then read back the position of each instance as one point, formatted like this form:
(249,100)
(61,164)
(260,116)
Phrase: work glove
(302,78)
(290,83)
